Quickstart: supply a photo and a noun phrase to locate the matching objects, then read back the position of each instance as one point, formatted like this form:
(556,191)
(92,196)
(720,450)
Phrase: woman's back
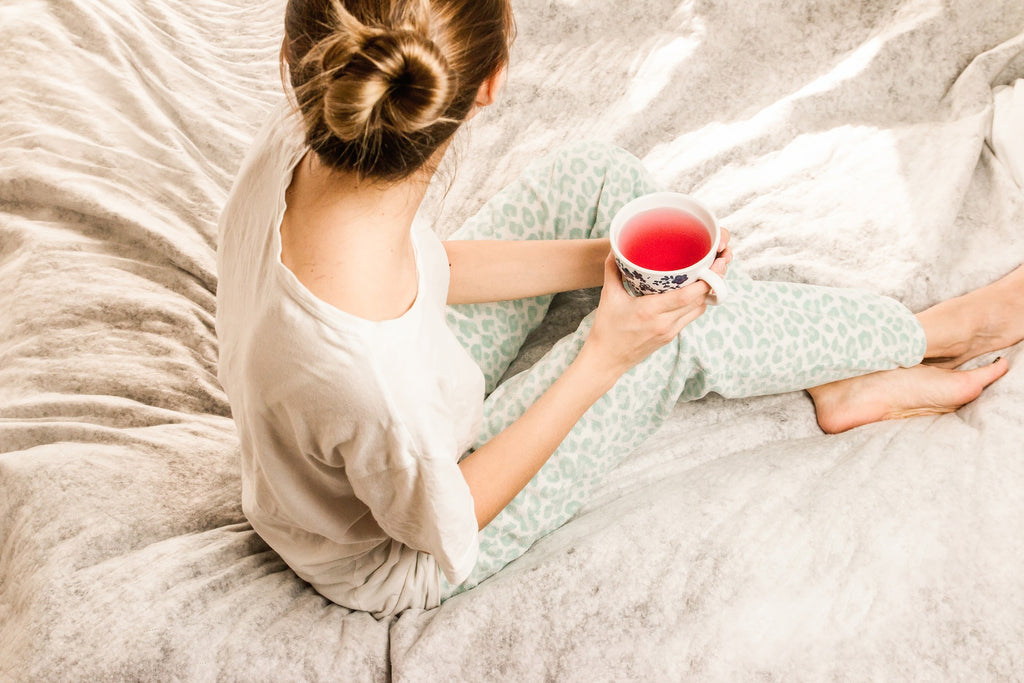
(350,428)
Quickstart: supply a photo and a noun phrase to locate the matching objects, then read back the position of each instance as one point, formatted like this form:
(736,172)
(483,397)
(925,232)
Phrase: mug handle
(719,290)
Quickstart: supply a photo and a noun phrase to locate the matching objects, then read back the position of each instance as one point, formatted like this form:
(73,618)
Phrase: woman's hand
(721,263)
(627,329)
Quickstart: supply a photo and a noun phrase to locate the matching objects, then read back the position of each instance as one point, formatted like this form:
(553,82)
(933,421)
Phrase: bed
(863,143)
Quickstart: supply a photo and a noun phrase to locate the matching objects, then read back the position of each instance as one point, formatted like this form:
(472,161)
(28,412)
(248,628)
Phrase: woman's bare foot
(978,322)
(894,394)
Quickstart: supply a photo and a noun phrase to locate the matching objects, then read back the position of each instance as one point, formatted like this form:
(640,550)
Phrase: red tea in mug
(664,239)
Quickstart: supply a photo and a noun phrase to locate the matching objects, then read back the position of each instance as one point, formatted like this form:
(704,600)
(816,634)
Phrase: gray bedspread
(843,143)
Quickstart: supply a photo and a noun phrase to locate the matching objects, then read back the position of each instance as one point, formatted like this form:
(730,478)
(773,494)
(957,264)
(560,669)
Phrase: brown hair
(382,84)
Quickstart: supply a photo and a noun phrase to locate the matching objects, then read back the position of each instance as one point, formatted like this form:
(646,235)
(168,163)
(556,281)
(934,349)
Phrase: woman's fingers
(613,279)
(673,322)
(627,329)
(675,301)
(692,294)
(721,263)
(689,316)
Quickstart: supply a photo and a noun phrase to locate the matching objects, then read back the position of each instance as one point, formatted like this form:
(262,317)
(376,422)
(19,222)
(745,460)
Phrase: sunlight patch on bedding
(715,139)
(858,61)
(721,139)
(852,164)
(840,196)
(848,69)
(657,68)
(26,12)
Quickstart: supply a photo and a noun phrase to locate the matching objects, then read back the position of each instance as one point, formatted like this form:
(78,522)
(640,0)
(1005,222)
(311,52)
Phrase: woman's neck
(349,241)
(390,206)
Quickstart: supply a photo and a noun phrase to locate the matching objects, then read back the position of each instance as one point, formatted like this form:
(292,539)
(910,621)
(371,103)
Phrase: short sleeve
(404,467)
(398,442)
(428,507)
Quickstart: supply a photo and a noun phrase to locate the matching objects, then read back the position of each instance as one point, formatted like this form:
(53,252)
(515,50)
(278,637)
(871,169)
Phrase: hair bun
(381,85)
(384,79)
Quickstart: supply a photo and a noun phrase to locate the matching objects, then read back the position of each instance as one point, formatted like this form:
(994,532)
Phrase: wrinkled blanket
(861,143)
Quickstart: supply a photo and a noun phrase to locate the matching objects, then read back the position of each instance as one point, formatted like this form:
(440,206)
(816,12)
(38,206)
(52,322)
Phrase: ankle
(949,327)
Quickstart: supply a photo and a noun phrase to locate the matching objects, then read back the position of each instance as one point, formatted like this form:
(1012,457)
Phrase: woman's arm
(625,331)
(498,270)
(499,469)
(494,270)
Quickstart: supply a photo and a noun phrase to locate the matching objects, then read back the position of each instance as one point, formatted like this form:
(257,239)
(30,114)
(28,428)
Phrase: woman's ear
(491,88)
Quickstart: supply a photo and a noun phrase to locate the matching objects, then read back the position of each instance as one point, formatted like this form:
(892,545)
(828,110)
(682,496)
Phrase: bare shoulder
(353,275)
(347,244)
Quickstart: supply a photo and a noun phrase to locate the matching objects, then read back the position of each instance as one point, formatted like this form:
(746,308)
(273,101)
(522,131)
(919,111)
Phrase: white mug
(639,280)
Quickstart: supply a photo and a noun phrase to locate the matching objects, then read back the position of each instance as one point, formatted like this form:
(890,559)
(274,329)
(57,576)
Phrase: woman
(357,349)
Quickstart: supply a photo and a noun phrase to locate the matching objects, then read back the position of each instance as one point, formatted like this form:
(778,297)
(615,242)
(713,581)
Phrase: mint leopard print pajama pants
(767,338)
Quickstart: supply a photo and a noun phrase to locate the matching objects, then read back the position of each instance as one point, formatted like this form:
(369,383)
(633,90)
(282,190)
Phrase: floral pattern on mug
(638,284)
